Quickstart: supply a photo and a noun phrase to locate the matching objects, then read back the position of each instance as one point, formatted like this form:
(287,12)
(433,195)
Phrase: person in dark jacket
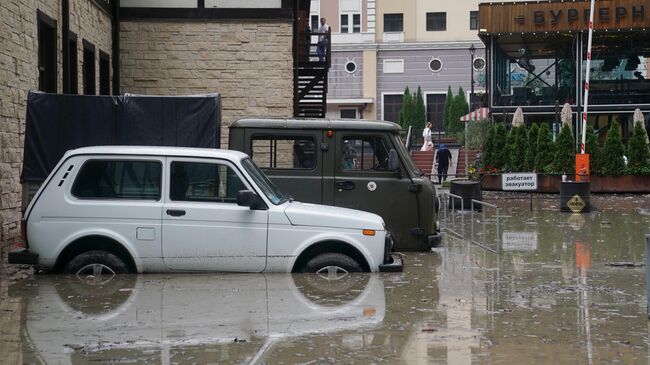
(443,158)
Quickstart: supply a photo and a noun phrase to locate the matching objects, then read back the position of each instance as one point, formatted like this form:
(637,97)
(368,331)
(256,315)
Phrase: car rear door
(203,227)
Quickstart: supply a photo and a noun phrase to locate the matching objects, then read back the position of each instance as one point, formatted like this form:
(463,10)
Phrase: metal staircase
(310,98)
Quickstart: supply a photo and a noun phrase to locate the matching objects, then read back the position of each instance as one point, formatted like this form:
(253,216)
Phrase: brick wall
(248,62)
(19,74)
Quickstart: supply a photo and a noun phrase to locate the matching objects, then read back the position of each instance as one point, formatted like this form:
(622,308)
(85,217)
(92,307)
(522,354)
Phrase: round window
(435,65)
(479,64)
(350,66)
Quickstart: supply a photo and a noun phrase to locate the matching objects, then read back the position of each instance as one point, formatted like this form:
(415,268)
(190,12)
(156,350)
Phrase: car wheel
(99,265)
(332,265)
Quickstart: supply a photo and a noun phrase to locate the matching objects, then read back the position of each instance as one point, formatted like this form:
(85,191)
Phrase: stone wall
(248,62)
(19,74)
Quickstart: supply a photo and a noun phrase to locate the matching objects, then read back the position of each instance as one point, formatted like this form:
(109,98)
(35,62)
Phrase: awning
(478,114)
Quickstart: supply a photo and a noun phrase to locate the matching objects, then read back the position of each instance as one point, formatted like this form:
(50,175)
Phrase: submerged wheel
(332,265)
(99,265)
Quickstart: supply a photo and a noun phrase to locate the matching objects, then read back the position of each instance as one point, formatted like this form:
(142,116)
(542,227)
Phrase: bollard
(647,273)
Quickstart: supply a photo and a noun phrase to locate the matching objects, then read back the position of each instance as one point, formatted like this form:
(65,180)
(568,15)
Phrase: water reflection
(552,296)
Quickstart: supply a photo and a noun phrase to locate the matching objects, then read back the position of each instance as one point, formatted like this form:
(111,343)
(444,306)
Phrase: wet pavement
(563,288)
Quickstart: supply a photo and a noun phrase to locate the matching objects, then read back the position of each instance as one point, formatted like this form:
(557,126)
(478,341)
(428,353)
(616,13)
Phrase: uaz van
(358,164)
(119,209)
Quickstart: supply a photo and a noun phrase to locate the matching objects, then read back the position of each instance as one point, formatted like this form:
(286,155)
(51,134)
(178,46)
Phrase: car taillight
(23,233)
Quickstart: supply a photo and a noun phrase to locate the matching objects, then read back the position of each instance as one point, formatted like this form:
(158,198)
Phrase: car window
(364,153)
(199,181)
(118,179)
(268,188)
(284,152)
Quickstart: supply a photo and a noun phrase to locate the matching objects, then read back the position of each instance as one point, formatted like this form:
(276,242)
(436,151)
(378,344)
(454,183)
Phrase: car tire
(327,261)
(96,261)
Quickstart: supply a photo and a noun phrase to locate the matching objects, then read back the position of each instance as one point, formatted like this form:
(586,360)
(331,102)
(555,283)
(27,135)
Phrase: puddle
(553,293)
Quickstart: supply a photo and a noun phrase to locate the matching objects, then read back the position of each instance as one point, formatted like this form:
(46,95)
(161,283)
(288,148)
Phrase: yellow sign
(576,204)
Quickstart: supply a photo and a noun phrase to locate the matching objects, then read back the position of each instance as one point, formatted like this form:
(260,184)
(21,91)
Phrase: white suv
(120,209)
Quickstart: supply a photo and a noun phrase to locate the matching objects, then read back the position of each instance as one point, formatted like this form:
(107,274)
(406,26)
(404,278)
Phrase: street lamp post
(472,51)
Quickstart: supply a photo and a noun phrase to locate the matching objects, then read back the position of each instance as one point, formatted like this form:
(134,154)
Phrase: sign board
(521,181)
(519,241)
(576,204)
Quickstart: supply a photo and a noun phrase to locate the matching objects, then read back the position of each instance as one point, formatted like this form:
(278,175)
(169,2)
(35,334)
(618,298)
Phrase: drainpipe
(65,39)
(116,46)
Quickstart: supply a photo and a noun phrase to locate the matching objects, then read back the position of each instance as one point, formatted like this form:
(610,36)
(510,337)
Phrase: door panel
(292,160)
(203,227)
(363,182)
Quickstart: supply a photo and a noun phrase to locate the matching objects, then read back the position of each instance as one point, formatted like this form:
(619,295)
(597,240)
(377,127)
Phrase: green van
(356,164)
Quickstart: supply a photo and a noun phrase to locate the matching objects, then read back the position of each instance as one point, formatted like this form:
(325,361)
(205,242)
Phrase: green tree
(448,105)
(544,152)
(613,150)
(564,160)
(638,153)
(406,114)
(489,149)
(419,113)
(531,148)
(593,148)
(500,147)
(459,107)
(510,147)
(518,149)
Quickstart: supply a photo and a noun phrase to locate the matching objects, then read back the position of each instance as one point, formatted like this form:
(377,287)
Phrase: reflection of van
(346,163)
(155,319)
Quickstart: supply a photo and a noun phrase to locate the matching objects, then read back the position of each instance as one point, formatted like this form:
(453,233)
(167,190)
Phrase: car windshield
(268,188)
(404,152)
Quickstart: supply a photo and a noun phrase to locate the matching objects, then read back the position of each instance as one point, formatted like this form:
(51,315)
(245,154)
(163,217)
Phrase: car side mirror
(393,162)
(247,198)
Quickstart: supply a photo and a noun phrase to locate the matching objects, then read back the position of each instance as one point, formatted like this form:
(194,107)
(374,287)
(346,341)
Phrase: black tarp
(57,123)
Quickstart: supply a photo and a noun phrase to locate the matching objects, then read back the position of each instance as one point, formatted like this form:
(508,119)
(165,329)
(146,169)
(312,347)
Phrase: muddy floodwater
(566,289)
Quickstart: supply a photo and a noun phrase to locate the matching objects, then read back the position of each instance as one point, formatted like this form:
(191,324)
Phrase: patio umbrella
(567,114)
(638,118)
(518,118)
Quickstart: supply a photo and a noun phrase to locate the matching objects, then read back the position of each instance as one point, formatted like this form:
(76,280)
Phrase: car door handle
(345,185)
(175,212)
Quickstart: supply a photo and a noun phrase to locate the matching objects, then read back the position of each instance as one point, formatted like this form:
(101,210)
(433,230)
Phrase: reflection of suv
(135,209)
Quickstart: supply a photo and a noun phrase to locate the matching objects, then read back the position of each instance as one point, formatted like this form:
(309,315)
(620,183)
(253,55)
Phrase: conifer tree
(500,147)
(544,149)
(613,150)
(638,153)
(419,113)
(564,160)
(489,149)
(593,148)
(406,114)
(518,150)
(531,148)
(449,101)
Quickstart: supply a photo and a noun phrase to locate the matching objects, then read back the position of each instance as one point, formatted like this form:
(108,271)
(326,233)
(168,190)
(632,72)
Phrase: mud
(553,294)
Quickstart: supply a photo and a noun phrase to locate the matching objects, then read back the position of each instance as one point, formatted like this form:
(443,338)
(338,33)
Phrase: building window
(435,109)
(104,74)
(479,64)
(473,20)
(393,66)
(315,22)
(436,21)
(393,22)
(89,68)
(74,61)
(350,16)
(435,65)
(350,67)
(348,114)
(392,107)
(46,53)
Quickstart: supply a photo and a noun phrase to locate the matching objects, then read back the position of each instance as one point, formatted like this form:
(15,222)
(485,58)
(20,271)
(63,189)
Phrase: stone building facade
(248,62)
(19,73)
(246,55)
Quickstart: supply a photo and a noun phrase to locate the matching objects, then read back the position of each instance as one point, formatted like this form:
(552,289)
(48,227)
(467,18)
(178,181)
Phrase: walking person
(322,39)
(443,158)
(426,133)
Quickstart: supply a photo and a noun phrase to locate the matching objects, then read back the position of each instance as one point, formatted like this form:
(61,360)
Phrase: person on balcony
(323,41)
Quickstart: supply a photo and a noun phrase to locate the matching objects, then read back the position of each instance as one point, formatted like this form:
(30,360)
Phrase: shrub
(564,160)
(489,152)
(638,153)
(477,133)
(459,107)
(518,149)
(544,150)
(406,114)
(531,148)
(500,147)
(613,150)
(593,148)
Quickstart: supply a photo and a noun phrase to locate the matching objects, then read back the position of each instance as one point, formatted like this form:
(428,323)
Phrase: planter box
(548,183)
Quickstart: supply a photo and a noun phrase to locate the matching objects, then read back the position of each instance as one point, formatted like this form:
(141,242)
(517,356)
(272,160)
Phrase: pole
(586,99)
(647,273)
(471,96)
